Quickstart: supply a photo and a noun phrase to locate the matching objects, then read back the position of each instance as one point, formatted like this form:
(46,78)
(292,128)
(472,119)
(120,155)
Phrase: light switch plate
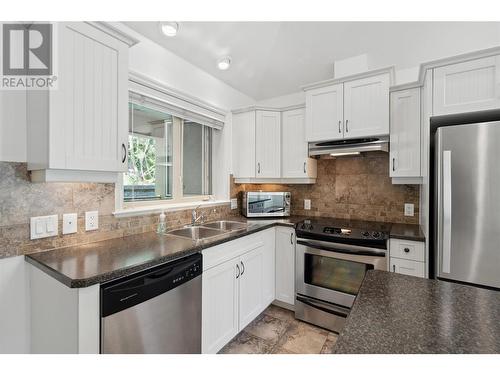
(234,203)
(409,209)
(44,226)
(307,204)
(70,222)
(91,220)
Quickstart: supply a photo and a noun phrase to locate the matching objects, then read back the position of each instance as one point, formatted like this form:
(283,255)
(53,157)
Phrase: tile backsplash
(348,187)
(21,199)
(357,187)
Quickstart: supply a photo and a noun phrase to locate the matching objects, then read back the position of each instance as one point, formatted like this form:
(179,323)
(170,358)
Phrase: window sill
(166,207)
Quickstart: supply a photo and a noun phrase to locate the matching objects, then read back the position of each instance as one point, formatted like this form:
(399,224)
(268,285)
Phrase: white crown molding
(352,77)
(424,67)
(271,109)
(114,32)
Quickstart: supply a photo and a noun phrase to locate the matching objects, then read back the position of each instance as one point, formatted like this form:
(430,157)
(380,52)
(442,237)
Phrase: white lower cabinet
(285,265)
(220,306)
(251,291)
(269,259)
(237,290)
(407,267)
(407,257)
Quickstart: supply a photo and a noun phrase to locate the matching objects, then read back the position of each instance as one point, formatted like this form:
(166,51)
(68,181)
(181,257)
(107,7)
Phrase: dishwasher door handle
(126,292)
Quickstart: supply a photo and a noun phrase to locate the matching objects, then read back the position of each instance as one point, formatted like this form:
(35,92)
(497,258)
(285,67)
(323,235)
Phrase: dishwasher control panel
(118,295)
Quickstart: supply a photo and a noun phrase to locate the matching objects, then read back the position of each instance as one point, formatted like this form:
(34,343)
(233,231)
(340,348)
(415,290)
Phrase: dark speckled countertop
(407,232)
(84,265)
(403,314)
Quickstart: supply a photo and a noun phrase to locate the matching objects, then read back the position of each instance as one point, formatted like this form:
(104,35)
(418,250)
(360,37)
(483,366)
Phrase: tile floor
(276,331)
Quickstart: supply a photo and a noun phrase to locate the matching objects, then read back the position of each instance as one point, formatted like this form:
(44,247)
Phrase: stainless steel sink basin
(197,233)
(226,225)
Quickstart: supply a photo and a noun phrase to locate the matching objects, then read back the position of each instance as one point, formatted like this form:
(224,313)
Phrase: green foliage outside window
(141,161)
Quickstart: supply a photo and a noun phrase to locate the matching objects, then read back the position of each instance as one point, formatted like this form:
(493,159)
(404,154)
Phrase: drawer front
(407,267)
(218,254)
(410,250)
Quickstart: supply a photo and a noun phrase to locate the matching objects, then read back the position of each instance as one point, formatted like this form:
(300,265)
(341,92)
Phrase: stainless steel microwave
(266,204)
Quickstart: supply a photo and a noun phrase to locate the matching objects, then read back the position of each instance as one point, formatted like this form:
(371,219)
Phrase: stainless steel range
(332,257)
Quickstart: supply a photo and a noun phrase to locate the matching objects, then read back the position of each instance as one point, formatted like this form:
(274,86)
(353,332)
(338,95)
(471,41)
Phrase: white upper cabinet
(244,144)
(354,107)
(268,144)
(295,160)
(366,107)
(324,111)
(468,86)
(405,133)
(82,125)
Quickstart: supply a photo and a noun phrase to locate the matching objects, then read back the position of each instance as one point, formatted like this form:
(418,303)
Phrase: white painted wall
(12,126)
(284,101)
(14,306)
(152,60)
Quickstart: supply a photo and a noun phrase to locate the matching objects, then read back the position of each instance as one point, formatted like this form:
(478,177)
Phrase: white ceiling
(275,58)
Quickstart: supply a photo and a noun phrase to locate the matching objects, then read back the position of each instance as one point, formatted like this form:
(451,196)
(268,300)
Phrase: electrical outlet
(91,220)
(409,209)
(307,204)
(70,223)
(234,203)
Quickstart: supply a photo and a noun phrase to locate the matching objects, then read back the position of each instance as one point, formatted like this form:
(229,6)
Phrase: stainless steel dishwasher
(154,311)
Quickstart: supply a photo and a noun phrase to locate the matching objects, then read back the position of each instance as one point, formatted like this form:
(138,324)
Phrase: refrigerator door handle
(446,212)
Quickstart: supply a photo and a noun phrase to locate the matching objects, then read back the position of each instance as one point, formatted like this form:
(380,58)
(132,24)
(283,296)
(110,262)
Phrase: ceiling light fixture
(169,28)
(224,63)
(344,153)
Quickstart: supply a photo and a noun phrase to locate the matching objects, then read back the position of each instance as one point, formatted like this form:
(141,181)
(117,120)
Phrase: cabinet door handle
(340,126)
(406,250)
(258,168)
(238,268)
(393,164)
(124,153)
(393,268)
(305,168)
(291,238)
(242,268)
(346,126)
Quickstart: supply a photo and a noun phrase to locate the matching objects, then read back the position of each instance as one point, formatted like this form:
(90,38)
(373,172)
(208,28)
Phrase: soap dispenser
(162,225)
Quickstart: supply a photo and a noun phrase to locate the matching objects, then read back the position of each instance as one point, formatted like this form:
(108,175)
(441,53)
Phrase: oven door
(333,272)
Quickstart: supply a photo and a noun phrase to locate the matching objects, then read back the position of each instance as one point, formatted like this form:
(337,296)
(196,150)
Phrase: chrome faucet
(195,218)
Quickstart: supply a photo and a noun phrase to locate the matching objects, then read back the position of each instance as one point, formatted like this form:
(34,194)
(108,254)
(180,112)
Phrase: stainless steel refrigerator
(467,203)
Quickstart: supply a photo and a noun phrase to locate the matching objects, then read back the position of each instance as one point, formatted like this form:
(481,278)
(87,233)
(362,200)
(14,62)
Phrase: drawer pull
(406,250)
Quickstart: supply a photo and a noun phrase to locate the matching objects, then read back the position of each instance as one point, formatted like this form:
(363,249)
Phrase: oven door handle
(342,248)
(326,307)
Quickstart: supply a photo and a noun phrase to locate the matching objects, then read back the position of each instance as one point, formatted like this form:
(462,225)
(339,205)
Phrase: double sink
(208,230)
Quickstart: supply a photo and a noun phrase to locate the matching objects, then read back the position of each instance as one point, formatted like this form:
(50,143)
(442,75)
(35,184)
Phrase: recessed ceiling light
(169,28)
(224,63)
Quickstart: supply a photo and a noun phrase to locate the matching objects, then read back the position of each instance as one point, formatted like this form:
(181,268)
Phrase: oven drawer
(404,249)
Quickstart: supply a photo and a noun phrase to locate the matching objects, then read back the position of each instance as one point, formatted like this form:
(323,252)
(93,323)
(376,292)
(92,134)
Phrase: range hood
(342,147)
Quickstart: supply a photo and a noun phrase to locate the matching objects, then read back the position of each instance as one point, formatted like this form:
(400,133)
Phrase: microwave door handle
(342,248)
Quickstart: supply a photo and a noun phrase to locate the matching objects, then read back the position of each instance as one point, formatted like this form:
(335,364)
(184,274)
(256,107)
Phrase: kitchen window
(169,157)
